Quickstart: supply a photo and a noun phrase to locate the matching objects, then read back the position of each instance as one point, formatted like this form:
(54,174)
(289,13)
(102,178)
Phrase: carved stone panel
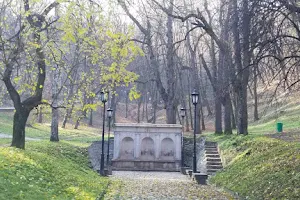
(127,148)
(147,149)
(167,149)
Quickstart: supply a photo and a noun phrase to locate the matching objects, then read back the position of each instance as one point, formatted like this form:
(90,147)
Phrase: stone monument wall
(155,147)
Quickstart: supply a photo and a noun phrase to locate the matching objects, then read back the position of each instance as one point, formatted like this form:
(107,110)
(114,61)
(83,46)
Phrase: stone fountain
(147,147)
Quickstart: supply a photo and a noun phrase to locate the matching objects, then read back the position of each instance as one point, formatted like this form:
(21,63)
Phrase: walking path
(26,138)
(159,185)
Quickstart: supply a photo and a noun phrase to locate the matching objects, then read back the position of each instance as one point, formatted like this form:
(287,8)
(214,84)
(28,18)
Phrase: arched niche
(167,149)
(147,149)
(127,148)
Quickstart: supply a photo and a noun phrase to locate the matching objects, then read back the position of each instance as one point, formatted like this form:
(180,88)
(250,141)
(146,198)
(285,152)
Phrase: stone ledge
(189,172)
(135,165)
(139,160)
(183,170)
(148,125)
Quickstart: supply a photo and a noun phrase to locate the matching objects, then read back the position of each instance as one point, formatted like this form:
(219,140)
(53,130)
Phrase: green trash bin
(279,127)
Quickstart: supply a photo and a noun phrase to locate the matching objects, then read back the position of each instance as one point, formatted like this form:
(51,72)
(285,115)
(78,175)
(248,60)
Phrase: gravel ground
(159,185)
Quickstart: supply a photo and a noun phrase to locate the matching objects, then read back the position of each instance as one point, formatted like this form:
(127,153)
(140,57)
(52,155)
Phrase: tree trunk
(190,105)
(196,79)
(171,113)
(40,117)
(171,106)
(227,115)
(206,103)
(77,123)
(65,120)
(114,102)
(67,116)
(233,116)
(20,119)
(54,125)
(126,104)
(187,125)
(255,94)
(91,118)
(242,126)
(55,114)
(154,106)
(218,115)
(23,108)
(202,118)
(140,101)
(146,108)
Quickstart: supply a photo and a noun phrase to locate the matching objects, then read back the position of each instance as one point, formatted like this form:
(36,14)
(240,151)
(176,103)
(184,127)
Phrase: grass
(42,131)
(288,114)
(47,170)
(258,167)
(5,141)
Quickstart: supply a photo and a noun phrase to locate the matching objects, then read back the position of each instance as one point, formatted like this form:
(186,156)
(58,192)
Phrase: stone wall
(147,147)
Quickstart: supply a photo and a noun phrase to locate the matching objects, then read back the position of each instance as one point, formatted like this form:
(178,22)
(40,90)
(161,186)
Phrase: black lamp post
(195,97)
(104,100)
(182,114)
(109,113)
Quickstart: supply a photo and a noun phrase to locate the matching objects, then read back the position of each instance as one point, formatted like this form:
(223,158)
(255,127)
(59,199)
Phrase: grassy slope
(258,166)
(47,170)
(42,131)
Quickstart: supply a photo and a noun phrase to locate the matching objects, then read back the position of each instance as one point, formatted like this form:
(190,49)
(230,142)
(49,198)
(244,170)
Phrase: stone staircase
(213,160)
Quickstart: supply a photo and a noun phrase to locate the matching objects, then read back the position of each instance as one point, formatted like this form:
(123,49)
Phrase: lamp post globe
(109,114)
(182,112)
(195,98)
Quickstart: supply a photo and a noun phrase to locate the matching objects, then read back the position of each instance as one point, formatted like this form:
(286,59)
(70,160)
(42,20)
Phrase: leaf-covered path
(159,185)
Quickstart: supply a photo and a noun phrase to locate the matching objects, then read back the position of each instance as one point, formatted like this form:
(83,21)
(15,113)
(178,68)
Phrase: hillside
(265,164)
(262,165)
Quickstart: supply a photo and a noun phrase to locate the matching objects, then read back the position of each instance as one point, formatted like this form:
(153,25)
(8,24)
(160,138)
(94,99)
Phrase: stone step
(211,152)
(210,143)
(212,171)
(211,149)
(212,155)
(213,163)
(214,167)
(213,159)
(211,146)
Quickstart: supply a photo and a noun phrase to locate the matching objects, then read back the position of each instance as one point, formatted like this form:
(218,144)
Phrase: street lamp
(195,98)
(182,114)
(103,100)
(109,113)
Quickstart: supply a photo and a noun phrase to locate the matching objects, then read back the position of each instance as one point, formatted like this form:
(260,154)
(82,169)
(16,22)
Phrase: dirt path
(26,138)
(291,136)
(159,185)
